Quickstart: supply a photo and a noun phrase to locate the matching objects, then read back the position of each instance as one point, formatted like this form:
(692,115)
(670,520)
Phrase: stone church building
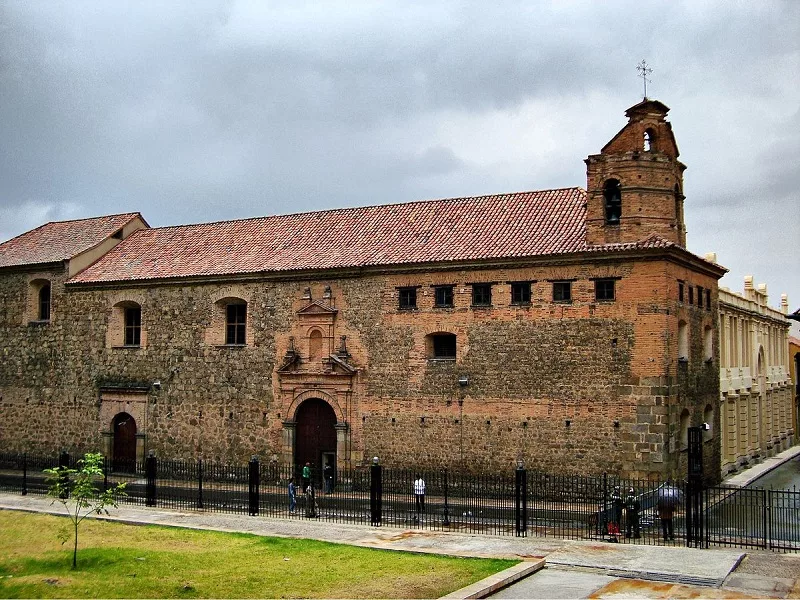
(568,328)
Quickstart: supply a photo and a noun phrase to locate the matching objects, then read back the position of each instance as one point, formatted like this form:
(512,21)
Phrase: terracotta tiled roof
(485,227)
(60,240)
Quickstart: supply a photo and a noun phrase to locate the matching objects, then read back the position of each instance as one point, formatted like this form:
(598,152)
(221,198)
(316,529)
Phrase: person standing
(306,476)
(419,494)
(632,507)
(327,473)
(292,496)
(616,515)
(666,509)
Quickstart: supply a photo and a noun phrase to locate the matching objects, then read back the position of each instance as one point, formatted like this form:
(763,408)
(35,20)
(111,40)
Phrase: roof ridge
(124,214)
(365,207)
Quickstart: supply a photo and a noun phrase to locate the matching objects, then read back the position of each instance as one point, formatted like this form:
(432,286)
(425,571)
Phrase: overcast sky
(204,111)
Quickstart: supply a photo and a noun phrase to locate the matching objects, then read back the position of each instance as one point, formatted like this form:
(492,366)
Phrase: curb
(489,585)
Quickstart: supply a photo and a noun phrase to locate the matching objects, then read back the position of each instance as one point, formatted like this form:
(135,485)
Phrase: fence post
(151,468)
(446,520)
(63,461)
(200,483)
(24,473)
(105,473)
(375,492)
(254,485)
(521,497)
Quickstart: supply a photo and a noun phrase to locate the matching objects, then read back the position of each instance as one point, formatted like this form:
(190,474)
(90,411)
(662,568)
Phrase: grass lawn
(126,561)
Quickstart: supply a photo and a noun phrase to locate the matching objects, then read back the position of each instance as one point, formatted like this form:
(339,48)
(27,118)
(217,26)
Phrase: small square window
(443,296)
(604,289)
(408,298)
(481,294)
(444,346)
(521,293)
(562,291)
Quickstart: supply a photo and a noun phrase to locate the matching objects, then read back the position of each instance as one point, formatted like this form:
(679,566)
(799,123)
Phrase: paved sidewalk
(634,562)
(750,474)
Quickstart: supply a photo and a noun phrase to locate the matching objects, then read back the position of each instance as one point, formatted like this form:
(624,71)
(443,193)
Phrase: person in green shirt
(306,476)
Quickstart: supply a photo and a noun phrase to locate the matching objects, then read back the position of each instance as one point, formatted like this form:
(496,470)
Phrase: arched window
(683,341)
(125,326)
(612,194)
(44,302)
(684,429)
(315,344)
(649,138)
(678,199)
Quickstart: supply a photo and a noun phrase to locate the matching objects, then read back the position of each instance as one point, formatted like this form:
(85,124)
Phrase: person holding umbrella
(668,499)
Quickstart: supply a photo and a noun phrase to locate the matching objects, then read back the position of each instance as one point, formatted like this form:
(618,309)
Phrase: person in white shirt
(419,493)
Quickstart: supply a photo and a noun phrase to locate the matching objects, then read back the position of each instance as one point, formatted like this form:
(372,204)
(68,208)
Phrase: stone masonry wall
(583,386)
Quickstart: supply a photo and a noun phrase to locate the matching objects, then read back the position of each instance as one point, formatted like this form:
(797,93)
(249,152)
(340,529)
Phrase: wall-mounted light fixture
(567,423)
(463,380)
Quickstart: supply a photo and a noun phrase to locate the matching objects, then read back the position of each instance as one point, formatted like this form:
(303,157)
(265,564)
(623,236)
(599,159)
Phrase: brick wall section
(609,368)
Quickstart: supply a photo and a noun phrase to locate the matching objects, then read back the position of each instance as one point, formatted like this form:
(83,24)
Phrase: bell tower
(635,185)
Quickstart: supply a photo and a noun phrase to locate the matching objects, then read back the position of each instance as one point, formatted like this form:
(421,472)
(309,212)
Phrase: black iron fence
(515,503)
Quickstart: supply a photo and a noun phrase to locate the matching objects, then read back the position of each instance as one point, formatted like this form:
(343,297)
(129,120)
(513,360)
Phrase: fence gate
(694,490)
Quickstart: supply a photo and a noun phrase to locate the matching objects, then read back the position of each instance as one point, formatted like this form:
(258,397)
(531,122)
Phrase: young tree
(75,489)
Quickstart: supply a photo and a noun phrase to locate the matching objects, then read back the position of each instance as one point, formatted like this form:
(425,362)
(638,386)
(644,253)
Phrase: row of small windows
(604,290)
(686,294)
(235,325)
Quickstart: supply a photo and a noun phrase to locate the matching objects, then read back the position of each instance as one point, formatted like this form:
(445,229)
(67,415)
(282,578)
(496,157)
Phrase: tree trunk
(75,549)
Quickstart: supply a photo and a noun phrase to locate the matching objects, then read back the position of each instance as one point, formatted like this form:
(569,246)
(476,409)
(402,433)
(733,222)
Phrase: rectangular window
(44,303)
(133,326)
(604,289)
(407,298)
(521,292)
(481,294)
(444,346)
(443,296)
(680,291)
(236,315)
(691,295)
(562,291)
(708,300)
(699,296)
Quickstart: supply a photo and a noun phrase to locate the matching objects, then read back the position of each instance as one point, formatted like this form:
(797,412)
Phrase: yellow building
(794,365)
(756,395)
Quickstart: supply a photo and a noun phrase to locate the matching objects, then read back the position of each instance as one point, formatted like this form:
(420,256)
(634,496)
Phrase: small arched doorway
(124,456)
(315,436)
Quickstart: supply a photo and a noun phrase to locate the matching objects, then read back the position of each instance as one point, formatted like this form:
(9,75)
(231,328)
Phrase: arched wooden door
(315,435)
(124,458)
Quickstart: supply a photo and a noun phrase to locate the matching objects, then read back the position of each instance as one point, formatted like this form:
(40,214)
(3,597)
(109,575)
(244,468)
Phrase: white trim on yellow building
(755,387)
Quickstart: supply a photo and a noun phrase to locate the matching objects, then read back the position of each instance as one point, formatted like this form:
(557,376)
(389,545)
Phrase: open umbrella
(669,495)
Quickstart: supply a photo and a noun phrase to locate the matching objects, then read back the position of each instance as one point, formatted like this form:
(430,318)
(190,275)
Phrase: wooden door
(124,458)
(315,434)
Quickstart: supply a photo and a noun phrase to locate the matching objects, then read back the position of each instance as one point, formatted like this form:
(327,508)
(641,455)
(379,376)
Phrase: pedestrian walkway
(751,474)
(673,565)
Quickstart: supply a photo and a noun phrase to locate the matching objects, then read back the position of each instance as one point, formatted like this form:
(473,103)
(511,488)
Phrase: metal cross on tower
(644,71)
